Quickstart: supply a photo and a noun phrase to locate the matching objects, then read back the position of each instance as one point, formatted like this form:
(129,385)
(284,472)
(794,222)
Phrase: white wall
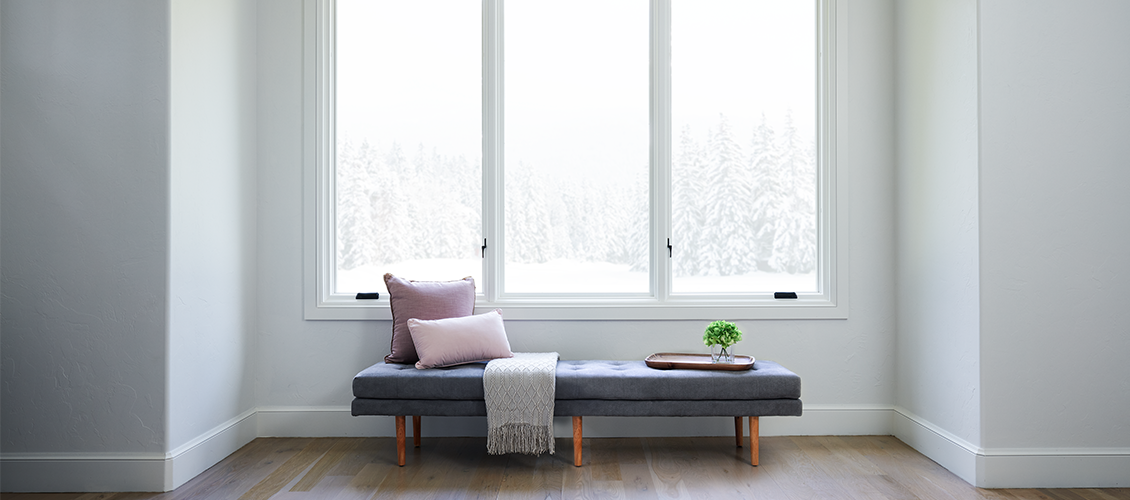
(117,118)
(85,190)
(211,300)
(1055,229)
(846,364)
(938,274)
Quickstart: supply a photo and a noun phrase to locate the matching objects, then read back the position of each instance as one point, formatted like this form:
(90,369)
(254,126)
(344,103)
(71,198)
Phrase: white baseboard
(991,468)
(95,472)
(1054,468)
(948,450)
(1014,468)
(82,472)
(196,456)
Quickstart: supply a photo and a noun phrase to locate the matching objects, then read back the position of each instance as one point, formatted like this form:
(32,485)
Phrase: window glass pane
(409,141)
(576,147)
(743,146)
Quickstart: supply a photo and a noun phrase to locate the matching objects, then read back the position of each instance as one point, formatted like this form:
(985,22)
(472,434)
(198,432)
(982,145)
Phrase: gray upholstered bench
(586,388)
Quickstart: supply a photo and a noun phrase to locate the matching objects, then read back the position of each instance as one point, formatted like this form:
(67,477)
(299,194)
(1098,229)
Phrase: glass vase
(720,354)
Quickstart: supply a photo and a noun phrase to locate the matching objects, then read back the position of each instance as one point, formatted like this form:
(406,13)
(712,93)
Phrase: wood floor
(855,467)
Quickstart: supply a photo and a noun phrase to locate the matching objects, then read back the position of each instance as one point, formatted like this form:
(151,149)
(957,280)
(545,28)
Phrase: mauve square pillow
(425,300)
(456,341)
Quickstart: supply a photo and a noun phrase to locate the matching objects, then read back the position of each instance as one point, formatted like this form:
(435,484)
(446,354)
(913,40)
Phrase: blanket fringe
(520,438)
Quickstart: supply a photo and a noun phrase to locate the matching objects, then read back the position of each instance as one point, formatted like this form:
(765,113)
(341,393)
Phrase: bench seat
(586,388)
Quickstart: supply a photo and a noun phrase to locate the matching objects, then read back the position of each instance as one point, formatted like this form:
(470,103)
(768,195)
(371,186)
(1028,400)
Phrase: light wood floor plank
(635,473)
(943,479)
(363,452)
(549,471)
(852,477)
(850,467)
(484,483)
(911,475)
(289,470)
(324,465)
(365,483)
(451,475)
(241,472)
(667,467)
(517,477)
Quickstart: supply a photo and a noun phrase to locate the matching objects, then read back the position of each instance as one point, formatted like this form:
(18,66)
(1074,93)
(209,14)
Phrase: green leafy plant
(722,333)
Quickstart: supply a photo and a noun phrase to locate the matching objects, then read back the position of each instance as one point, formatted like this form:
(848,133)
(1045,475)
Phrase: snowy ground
(563,276)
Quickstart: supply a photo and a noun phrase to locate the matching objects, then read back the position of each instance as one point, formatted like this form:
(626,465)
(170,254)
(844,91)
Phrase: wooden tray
(691,361)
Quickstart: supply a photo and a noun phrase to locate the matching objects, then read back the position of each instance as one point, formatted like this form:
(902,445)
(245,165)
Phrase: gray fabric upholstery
(635,381)
(594,379)
(395,381)
(586,388)
(587,407)
(682,408)
(433,407)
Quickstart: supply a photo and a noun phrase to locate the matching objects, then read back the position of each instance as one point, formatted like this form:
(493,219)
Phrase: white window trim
(319,196)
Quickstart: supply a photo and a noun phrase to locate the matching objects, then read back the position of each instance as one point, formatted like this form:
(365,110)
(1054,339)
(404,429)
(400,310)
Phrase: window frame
(319,195)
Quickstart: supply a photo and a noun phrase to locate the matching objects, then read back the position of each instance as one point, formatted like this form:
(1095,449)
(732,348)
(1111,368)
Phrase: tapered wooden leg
(738,430)
(400,440)
(416,430)
(577,434)
(754,440)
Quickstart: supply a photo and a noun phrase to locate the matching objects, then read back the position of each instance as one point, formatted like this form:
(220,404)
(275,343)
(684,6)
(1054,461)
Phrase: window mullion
(660,178)
(493,192)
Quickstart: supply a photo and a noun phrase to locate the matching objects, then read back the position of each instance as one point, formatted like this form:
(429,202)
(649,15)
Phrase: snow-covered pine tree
(687,205)
(467,193)
(388,204)
(527,224)
(767,191)
(635,223)
(575,204)
(557,243)
(794,244)
(450,222)
(729,238)
(355,245)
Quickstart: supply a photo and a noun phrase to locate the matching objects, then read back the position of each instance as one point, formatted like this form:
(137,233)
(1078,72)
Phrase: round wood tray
(694,361)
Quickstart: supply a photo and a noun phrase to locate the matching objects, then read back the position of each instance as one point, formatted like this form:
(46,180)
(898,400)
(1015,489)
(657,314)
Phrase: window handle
(484,248)
(668,248)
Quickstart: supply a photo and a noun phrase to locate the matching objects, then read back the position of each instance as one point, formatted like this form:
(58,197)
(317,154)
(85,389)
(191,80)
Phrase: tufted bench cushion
(635,381)
(396,381)
(597,380)
(586,388)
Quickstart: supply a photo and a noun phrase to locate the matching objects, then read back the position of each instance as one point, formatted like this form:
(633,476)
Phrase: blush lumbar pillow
(425,300)
(456,341)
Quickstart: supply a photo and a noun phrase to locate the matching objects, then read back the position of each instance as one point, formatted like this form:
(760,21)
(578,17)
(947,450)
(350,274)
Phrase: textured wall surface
(212,245)
(84,207)
(1055,224)
(311,363)
(939,373)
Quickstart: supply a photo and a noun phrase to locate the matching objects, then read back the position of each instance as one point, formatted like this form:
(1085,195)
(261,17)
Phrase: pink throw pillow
(424,300)
(455,341)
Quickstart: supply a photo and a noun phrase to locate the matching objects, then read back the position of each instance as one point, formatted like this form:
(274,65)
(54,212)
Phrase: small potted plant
(720,335)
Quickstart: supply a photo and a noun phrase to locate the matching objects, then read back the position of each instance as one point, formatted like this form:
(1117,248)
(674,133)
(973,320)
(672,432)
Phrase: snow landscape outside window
(576,147)
(409,141)
(578,110)
(743,152)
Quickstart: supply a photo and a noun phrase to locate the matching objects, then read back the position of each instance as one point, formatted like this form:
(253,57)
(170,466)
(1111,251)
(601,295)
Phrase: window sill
(816,307)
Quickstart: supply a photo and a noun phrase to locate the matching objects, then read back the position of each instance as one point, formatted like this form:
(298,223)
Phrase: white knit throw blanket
(519,396)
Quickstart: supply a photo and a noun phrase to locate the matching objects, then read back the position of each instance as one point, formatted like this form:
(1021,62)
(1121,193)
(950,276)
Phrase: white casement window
(591,159)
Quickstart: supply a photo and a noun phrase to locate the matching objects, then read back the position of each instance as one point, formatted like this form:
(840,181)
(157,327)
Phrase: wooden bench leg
(754,440)
(416,430)
(577,432)
(400,440)
(738,430)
